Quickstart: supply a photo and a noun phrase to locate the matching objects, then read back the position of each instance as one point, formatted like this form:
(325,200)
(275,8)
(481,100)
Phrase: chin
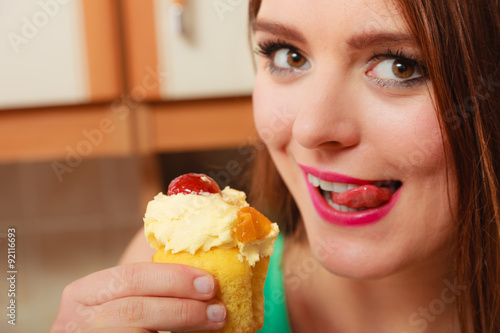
(357,259)
(360,269)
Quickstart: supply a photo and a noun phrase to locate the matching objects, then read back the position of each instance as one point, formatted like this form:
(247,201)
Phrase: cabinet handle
(176,9)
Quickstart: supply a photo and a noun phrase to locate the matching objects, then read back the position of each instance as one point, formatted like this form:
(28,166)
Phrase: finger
(143,279)
(118,330)
(162,314)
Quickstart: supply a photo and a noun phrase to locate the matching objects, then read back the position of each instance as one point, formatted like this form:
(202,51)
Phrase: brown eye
(394,71)
(290,59)
(403,69)
(295,59)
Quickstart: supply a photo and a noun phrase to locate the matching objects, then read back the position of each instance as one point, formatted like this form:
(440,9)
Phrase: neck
(418,300)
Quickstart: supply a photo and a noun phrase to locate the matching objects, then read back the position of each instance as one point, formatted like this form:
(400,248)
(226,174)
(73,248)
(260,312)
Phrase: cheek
(417,143)
(273,114)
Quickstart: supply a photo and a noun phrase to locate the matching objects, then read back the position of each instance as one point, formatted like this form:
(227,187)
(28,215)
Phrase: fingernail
(216,313)
(204,284)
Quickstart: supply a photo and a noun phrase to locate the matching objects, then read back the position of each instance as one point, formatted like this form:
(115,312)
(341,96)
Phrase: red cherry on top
(195,183)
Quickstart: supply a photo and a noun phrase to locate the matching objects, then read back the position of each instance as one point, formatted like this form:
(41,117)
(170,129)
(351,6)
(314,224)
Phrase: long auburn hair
(460,41)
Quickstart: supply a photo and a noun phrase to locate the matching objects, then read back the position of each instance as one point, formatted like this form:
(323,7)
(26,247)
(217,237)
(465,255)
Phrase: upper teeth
(338,187)
(330,186)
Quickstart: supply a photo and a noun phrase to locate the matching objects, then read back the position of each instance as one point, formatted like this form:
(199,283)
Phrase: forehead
(334,17)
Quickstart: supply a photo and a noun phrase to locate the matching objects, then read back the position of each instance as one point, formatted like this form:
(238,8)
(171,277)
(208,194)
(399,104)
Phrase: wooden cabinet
(68,64)
(210,57)
(59,52)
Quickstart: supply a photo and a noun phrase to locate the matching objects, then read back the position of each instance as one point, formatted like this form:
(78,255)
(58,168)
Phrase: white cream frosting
(192,222)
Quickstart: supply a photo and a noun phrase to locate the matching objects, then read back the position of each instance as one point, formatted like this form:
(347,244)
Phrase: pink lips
(337,217)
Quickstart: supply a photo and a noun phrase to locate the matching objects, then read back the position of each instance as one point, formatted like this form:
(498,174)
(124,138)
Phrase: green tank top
(275,316)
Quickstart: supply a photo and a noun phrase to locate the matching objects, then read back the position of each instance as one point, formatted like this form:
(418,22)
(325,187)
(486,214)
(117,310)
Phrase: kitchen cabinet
(59,52)
(69,65)
(210,56)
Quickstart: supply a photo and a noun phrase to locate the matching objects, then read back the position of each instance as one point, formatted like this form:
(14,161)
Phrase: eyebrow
(279,30)
(358,41)
(365,40)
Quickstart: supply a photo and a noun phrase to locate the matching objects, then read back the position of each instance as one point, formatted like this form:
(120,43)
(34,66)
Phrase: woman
(382,120)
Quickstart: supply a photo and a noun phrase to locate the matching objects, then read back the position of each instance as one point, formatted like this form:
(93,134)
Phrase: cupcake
(199,225)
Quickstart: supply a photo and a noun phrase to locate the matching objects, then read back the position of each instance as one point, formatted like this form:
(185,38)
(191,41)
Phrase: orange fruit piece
(253,225)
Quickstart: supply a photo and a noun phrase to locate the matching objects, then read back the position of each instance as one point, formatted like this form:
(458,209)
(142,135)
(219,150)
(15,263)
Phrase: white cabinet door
(212,56)
(57,52)
(43,59)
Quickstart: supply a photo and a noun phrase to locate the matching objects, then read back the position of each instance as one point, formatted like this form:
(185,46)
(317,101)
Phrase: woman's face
(341,102)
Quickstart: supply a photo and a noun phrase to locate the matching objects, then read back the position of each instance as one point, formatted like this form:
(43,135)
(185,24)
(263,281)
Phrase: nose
(326,116)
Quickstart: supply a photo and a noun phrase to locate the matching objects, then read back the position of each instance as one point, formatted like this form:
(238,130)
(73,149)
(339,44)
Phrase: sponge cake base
(241,287)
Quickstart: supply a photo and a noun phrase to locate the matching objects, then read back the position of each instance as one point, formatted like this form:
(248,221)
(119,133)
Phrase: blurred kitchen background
(102,103)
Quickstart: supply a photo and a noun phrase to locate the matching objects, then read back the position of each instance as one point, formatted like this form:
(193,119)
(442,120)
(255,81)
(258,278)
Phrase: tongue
(366,196)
